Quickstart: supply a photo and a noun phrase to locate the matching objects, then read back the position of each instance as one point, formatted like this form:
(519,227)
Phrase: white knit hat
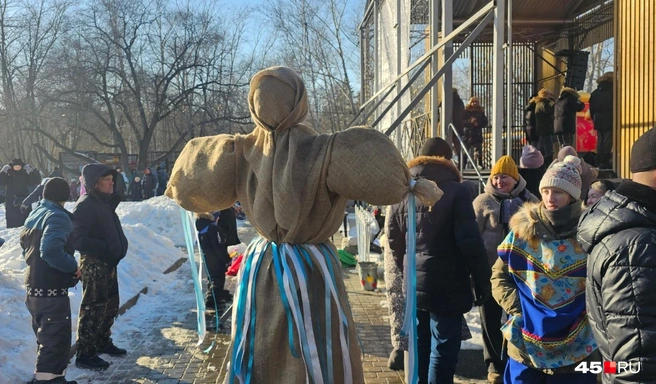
(564,175)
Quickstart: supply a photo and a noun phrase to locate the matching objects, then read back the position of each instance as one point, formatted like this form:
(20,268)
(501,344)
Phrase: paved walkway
(164,350)
(166,353)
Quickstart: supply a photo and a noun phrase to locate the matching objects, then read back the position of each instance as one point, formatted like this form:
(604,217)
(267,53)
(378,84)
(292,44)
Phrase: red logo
(610,367)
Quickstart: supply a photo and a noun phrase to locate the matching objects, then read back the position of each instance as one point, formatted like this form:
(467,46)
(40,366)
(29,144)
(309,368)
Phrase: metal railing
(464,150)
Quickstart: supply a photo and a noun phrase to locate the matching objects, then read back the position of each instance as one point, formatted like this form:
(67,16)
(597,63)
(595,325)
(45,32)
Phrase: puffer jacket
(601,104)
(565,109)
(97,230)
(619,233)
(544,116)
(449,248)
(487,208)
(49,258)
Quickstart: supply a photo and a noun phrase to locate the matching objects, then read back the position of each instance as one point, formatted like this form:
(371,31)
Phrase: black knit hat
(56,189)
(643,154)
(436,146)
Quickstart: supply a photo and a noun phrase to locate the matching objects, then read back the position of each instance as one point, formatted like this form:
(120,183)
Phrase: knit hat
(565,175)
(643,154)
(505,165)
(436,146)
(531,158)
(56,189)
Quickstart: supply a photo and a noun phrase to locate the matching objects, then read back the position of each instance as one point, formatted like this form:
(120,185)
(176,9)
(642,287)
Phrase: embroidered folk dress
(539,280)
(291,320)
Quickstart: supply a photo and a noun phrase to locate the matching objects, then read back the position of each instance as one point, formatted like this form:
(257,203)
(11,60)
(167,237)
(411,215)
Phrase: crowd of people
(549,120)
(49,238)
(559,264)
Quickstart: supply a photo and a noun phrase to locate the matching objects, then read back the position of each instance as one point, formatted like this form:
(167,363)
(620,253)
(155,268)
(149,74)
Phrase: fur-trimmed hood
(569,92)
(524,222)
(419,164)
(470,107)
(527,225)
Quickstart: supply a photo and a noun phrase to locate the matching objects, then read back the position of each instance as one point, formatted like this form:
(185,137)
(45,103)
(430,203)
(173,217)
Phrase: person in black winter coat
(17,180)
(450,252)
(98,235)
(120,187)
(149,183)
(529,123)
(475,120)
(135,191)
(216,231)
(544,123)
(565,109)
(162,180)
(601,111)
(619,233)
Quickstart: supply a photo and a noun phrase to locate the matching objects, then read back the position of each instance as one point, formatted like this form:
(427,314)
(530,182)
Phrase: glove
(5,169)
(28,168)
(24,208)
(482,294)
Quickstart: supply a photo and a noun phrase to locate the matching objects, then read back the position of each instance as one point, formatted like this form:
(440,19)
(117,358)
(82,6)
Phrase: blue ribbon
(198,289)
(409,328)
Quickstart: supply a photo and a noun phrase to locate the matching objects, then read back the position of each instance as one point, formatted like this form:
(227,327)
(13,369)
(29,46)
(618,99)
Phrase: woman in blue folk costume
(539,280)
(291,320)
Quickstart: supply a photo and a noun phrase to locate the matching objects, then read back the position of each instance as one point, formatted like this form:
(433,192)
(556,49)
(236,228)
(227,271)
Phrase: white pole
(497,82)
(447,79)
(509,85)
(434,101)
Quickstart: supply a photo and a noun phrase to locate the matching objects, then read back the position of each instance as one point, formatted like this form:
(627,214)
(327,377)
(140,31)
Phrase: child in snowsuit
(212,240)
(51,270)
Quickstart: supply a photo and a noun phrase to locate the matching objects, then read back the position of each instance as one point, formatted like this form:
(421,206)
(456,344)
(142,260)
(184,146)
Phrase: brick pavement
(164,350)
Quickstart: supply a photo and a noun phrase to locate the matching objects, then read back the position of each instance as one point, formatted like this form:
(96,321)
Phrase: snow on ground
(149,255)
(153,229)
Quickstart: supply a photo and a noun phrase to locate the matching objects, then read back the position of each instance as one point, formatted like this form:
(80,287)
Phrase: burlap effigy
(293,185)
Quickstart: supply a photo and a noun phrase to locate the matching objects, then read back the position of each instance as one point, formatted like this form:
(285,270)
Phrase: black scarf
(560,223)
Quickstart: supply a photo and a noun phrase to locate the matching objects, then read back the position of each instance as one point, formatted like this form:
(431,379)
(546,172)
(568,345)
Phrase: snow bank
(152,227)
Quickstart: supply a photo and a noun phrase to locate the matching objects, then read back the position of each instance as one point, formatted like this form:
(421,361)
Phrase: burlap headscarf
(277,99)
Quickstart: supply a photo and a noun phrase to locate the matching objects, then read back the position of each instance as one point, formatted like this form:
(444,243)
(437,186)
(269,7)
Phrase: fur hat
(569,91)
(507,166)
(643,153)
(531,158)
(564,175)
(436,146)
(607,77)
(56,189)
(17,161)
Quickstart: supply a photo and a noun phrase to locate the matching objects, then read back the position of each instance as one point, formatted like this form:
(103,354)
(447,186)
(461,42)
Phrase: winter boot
(112,350)
(94,363)
(225,295)
(395,361)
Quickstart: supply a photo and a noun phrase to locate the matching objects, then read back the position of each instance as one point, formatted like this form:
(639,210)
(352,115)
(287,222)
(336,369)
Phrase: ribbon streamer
(409,327)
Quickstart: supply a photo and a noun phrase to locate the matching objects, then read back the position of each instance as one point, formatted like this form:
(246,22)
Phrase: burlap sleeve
(203,177)
(365,165)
